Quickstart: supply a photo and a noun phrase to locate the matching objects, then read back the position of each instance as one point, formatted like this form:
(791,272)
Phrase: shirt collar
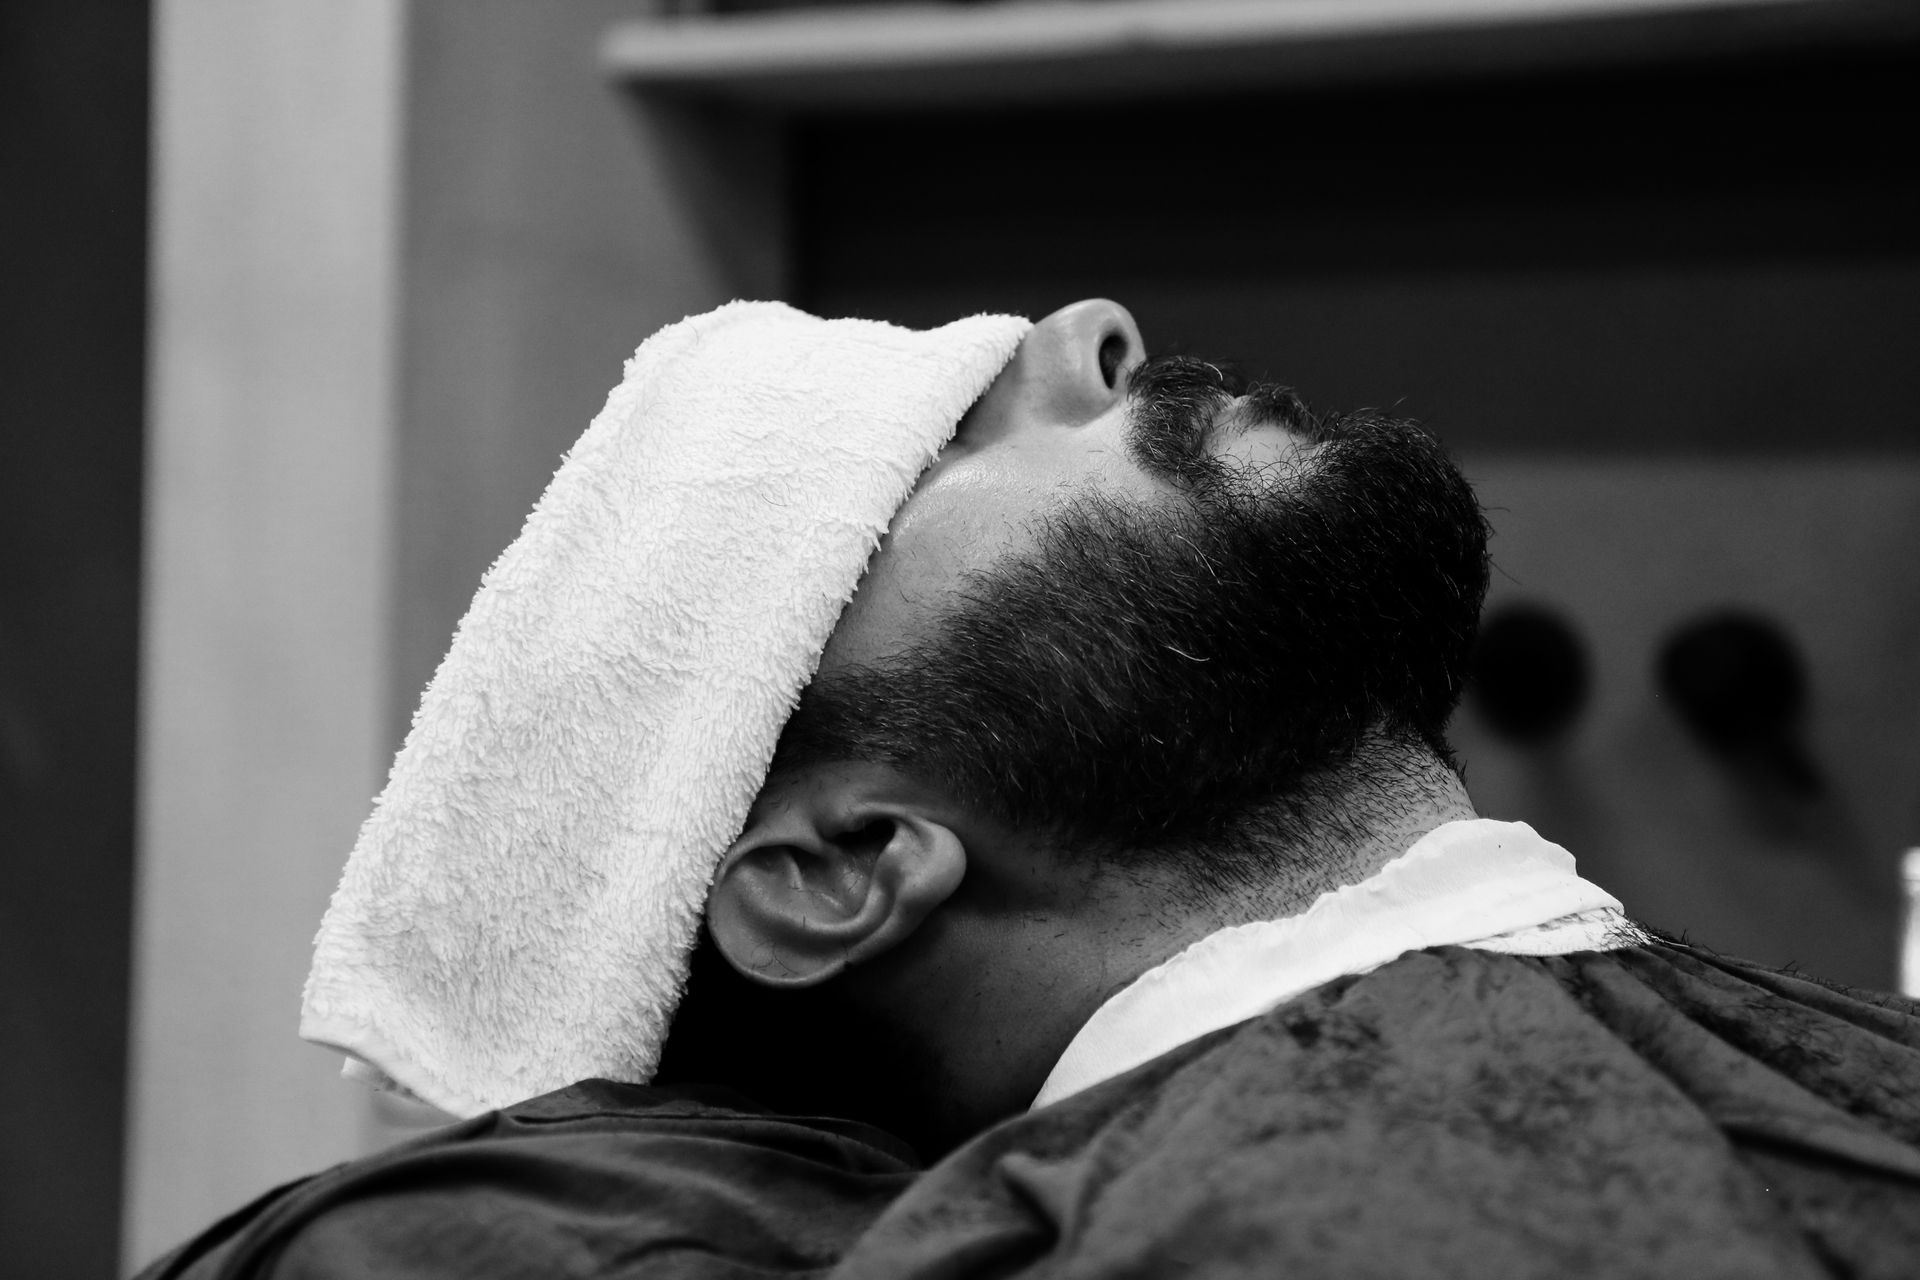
(1475,883)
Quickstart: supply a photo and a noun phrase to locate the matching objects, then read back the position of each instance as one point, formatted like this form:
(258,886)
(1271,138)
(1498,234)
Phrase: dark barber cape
(599,1179)
(1654,1111)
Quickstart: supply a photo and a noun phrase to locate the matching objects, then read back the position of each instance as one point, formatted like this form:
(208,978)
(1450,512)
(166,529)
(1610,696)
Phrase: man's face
(1054,427)
(1128,615)
(1138,598)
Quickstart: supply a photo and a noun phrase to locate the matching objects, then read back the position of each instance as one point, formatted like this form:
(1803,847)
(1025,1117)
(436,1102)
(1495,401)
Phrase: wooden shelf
(1062,50)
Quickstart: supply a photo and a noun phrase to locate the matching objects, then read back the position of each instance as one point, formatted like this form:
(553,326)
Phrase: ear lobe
(798,900)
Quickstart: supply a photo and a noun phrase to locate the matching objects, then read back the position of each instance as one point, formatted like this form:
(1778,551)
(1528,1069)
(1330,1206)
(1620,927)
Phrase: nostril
(1113,352)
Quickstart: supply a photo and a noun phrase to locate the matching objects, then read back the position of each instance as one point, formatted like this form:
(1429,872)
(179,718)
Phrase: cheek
(963,521)
(959,521)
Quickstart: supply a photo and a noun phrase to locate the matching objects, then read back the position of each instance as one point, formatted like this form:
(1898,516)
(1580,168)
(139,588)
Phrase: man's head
(1147,651)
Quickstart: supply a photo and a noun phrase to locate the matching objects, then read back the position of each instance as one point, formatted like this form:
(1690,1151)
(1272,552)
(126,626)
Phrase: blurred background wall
(73,229)
(267,593)
(1652,269)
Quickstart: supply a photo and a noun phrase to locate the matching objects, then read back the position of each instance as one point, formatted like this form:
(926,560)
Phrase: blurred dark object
(1741,259)
(1735,678)
(1738,682)
(1530,673)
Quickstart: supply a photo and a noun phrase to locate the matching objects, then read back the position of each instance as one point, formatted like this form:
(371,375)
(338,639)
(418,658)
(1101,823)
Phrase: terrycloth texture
(519,910)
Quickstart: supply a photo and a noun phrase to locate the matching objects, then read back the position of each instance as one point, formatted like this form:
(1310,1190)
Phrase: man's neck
(991,994)
(1371,822)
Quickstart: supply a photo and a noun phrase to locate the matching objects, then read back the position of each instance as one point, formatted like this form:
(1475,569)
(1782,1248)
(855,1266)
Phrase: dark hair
(1190,680)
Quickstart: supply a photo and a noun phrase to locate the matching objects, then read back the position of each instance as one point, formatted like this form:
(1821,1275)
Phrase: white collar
(1493,886)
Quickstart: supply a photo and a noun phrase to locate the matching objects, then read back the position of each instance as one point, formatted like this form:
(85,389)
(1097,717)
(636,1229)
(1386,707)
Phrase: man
(1189,680)
(1121,795)
(1141,660)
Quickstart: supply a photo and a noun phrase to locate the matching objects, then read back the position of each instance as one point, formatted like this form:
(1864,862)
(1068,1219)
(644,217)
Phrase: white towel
(519,911)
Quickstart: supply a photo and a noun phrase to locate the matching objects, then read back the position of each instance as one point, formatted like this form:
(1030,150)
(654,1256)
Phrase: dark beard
(1177,683)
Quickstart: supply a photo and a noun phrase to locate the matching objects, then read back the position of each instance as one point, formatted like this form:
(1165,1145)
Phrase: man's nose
(1074,363)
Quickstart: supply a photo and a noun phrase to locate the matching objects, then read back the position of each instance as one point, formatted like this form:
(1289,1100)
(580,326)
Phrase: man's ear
(826,877)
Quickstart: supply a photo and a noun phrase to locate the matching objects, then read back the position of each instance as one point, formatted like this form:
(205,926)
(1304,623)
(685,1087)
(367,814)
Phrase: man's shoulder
(596,1178)
(713,1112)
(1635,1111)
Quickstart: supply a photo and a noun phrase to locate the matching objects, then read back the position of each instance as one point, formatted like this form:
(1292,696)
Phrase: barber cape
(1653,1111)
(1543,1093)
(1567,1096)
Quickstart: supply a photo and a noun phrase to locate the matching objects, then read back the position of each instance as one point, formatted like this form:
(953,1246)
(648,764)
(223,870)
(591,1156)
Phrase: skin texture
(935,963)
(1051,426)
